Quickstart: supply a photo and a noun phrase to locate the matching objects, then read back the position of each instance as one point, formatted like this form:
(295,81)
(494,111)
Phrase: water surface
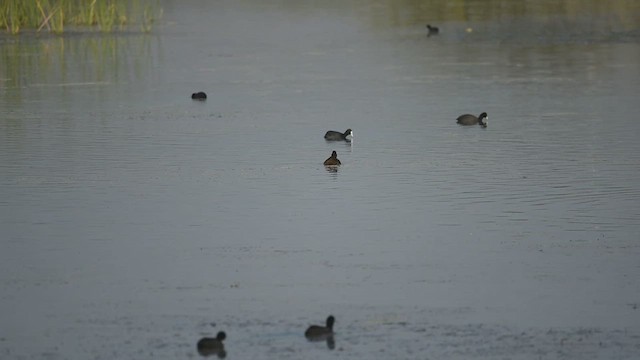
(135,220)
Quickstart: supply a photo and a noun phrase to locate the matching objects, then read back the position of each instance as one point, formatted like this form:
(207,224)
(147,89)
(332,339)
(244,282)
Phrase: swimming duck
(433,30)
(333,160)
(468,119)
(199,96)
(320,332)
(338,136)
(212,346)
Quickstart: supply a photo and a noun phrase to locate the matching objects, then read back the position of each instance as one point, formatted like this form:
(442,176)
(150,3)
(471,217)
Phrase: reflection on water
(328,339)
(131,213)
(29,61)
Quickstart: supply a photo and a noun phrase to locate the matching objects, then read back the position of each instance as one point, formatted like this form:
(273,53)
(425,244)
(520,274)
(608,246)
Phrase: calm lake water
(135,221)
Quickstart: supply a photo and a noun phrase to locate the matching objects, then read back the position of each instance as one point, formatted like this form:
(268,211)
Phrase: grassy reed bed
(54,15)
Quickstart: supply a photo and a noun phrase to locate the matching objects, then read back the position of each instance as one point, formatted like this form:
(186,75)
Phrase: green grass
(55,15)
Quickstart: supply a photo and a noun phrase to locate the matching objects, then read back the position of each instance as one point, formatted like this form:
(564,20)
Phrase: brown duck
(333,160)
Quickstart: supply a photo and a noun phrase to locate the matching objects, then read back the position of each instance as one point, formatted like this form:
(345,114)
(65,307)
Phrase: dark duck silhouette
(199,96)
(212,346)
(468,119)
(322,333)
(433,30)
(333,160)
(338,136)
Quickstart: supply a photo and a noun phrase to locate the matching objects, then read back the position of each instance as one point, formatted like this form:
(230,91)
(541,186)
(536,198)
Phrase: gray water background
(135,220)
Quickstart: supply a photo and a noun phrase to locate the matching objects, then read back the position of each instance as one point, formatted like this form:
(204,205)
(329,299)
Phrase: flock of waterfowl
(332,135)
(214,346)
(333,162)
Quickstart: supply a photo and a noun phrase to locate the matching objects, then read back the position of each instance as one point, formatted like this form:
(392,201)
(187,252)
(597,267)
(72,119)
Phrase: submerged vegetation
(54,15)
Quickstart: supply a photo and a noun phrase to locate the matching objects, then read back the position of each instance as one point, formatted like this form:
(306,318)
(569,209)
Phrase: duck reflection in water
(322,333)
(212,346)
(332,169)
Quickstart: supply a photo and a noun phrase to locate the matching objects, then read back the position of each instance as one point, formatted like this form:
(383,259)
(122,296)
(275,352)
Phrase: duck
(212,346)
(317,332)
(333,160)
(338,136)
(199,96)
(433,30)
(468,119)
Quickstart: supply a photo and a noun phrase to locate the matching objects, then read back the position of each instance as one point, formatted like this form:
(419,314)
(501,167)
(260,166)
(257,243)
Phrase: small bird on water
(317,331)
(199,96)
(333,160)
(212,346)
(468,119)
(332,135)
(433,30)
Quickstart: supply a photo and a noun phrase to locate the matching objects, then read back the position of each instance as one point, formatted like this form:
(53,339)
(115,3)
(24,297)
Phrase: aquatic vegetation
(55,15)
